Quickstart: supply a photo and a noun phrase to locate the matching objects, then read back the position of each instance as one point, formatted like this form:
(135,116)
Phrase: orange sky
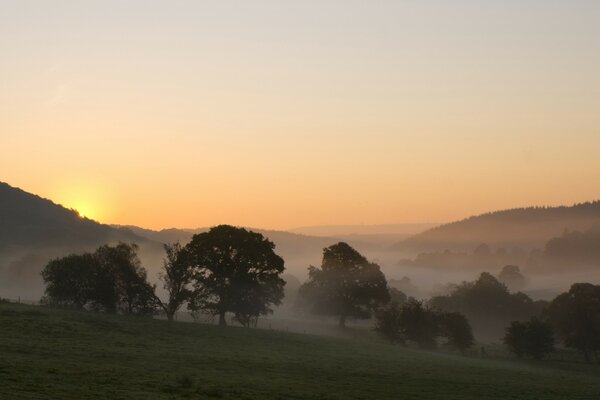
(282,114)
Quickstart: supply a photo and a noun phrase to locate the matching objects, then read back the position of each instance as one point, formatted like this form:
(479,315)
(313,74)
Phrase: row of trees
(531,327)
(111,279)
(224,270)
(417,323)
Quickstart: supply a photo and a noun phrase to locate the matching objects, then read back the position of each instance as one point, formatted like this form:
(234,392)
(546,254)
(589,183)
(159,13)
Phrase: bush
(533,338)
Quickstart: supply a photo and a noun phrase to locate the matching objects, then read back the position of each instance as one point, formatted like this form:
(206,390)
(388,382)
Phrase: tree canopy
(111,279)
(534,338)
(576,316)
(236,271)
(346,285)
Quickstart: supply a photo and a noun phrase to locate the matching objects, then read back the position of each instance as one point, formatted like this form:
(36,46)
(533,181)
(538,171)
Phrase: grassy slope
(53,354)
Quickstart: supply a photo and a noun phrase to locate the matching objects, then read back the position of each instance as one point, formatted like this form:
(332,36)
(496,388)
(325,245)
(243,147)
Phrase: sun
(86,211)
(87,199)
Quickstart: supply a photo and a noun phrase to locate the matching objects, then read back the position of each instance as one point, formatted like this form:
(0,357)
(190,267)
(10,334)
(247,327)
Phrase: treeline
(233,271)
(571,249)
(225,270)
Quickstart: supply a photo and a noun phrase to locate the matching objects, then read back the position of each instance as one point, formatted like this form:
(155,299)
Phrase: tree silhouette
(576,316)
(176,275)
(346,285)
(111,279)
(456,329)
(534,338)
(234,270)
(70,280)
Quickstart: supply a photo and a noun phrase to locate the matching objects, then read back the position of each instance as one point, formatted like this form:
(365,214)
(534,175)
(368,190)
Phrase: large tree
(234,271)
(576,316)
(346,285)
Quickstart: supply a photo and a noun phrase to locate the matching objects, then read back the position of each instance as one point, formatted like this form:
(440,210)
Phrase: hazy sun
(88,200)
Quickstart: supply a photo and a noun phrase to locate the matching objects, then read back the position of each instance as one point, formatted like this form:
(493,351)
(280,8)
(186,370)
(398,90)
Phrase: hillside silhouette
(524,228)
(34,229)
(29,220)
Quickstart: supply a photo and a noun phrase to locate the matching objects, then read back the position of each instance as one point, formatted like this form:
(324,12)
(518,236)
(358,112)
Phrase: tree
(234,270)
(346,285)
(534,338)
(70,280)
(387,322)
(122,282)
(176,275)
(419,324)
(456,329)
(111,279)
(397,296)
(415,322)
(511,276)
(487,304)
(576,317)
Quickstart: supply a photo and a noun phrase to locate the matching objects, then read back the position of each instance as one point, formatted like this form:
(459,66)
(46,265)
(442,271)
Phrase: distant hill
(525,228)
(31,221)
(363,230)
(34,229)
(298,251)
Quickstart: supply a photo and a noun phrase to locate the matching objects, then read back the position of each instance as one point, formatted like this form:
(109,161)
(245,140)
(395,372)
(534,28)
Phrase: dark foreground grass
(55,354)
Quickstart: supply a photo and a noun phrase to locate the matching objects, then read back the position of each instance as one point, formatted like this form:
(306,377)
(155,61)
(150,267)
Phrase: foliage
(387,322)
(397,296)
(534,338)
(176,275)
(576,316)
(415,322)
(234,270)
(111,279)
(346,285)
(456,329)
(70,280)
(512,277)
(487,304)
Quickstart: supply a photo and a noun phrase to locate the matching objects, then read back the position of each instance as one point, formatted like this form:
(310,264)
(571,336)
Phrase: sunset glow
(274,115)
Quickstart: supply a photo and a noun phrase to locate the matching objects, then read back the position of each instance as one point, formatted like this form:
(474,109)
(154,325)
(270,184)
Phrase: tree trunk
(170,315)
(222,321)
(342,323)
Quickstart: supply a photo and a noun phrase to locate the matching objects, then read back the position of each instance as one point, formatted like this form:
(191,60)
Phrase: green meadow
(58,354)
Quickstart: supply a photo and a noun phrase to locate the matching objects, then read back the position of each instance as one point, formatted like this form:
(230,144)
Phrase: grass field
(56,354)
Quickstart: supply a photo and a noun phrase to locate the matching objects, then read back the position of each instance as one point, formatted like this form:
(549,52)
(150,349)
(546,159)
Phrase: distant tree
(415,322)
(511,276)
(346,285)
(516,338)
(487,304)
(534,338)
(176,275)
(419,324)
(388,322)
(70,280)
(482,251)
(397,296)
(576,317)
(456,329)
(234,270)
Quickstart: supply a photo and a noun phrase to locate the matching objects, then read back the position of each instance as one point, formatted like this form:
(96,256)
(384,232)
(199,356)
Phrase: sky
(278,114)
